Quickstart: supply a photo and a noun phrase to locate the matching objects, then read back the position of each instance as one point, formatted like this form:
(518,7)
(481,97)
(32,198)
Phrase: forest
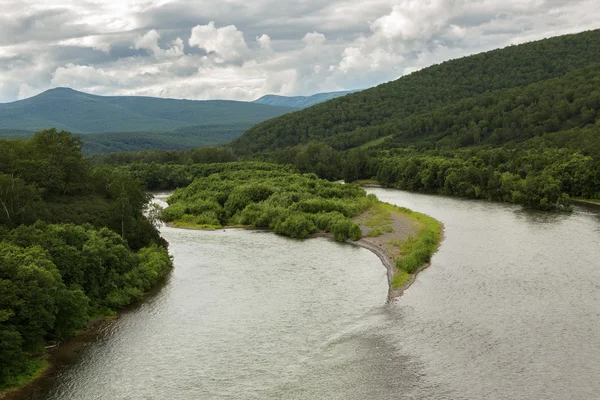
(74,244)
(288,203)
(481,80)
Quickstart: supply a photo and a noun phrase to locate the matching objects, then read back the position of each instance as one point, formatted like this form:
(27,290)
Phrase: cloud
(192,49)
(314,39)
(149,42)
(82,77)
(265,42)
(227,42)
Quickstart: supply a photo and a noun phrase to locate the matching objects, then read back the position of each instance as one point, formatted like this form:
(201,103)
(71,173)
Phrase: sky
(243,49)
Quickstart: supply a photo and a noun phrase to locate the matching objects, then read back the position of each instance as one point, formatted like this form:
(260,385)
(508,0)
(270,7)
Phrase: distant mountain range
(300,101)
(129,123)
(79,112)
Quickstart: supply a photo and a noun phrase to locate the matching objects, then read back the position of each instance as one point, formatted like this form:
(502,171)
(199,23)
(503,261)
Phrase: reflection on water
(510,309)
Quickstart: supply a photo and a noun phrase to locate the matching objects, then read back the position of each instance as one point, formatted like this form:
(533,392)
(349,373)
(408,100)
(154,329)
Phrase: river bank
(394,234)
(63,352)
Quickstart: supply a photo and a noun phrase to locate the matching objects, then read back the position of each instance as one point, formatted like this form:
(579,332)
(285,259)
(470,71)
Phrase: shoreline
(52,355)
(365,242)
(386,260)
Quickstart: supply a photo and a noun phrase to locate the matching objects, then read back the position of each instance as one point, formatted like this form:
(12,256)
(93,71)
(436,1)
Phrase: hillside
(300,101)
(79,112)
(188,137)
(434,107)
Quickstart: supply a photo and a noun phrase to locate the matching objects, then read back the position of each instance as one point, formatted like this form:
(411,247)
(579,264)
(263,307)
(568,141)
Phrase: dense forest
(74,244)
(358,118)
(269,196)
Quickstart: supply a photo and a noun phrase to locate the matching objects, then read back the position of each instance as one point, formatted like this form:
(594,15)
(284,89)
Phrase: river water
(509,309)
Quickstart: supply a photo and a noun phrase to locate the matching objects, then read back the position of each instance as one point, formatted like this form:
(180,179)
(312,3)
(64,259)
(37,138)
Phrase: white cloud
(265,42)
(136,47)
(314,39)
(149,42)
(227,42)
(81,77)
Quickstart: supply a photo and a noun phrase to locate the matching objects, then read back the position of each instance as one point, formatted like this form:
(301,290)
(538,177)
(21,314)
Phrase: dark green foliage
(47,178)
(358,118)
(268,196)
(54,277)
(517,124)
(55,274)
(168,176)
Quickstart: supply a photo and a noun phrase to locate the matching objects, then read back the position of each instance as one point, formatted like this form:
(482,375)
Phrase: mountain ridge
(80,112)
(302,101)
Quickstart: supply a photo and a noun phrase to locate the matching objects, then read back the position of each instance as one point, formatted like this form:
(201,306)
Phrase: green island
(302,205)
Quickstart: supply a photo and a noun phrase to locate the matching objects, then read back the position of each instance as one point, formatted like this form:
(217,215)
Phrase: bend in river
(509,309)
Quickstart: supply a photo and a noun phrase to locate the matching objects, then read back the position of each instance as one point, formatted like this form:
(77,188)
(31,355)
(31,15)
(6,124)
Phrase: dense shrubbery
(288,203)
(167,176)
(54,274)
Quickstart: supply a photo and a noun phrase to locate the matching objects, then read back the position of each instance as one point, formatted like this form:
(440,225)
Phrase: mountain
(80,112)
(490,98)
(300,101)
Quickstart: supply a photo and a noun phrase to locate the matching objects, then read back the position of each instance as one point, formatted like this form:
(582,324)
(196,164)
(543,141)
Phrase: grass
(417,250)
(36,369)
(366,182)
(192,225)
(412,253)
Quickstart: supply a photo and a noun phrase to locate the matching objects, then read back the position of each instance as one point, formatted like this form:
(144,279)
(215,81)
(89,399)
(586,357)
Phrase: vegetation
(409,254)
(74,243)
(288,203)
(358,118)
(180,139)
(517,124)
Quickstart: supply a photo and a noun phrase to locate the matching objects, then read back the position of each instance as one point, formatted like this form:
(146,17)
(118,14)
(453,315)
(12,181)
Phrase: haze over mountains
(301,101)
(129,123)
(80,112)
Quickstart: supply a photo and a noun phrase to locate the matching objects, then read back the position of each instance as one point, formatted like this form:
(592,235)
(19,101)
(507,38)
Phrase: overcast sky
(243,49)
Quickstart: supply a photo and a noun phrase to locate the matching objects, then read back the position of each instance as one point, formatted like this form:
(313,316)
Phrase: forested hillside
(74,243)
(518,124)
(483,87)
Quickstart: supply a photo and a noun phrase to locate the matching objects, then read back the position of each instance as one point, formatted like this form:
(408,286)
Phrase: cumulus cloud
(264,41)
(191,49)
(149,42)
(227,42)
(81,76)
(314,39)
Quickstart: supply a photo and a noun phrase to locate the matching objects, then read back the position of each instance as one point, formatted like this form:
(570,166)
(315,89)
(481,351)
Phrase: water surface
(509,309)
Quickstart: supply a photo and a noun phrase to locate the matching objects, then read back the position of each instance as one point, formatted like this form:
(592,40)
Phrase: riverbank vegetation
(74,244)
(288,203)
(299,205)
(409,238)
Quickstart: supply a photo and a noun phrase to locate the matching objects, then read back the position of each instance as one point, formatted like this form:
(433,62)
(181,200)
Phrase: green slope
(85,113)
(188,137)
(358,118)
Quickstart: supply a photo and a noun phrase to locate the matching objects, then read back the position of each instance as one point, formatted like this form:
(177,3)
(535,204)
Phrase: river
(509,309)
